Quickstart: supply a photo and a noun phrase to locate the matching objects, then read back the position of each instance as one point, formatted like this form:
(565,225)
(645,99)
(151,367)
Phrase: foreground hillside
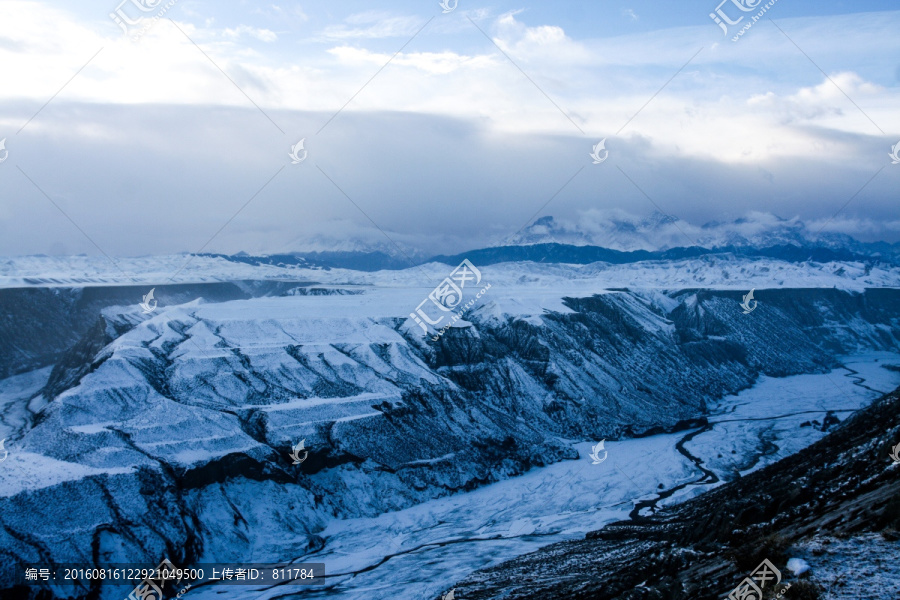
(835,505)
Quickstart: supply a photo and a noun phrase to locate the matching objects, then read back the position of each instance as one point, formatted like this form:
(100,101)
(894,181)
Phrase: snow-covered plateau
(714,271)
(138,434)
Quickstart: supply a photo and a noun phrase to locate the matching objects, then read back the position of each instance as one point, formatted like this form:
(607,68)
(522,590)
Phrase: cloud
(372,25)
(282,13)
(544,42)
(147,179)
(830,98)
(714,108)
(264,35)
(431,62)
(858,227)
(152,148)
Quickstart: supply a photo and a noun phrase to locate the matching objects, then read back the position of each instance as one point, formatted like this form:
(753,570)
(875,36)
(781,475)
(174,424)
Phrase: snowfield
(720,271)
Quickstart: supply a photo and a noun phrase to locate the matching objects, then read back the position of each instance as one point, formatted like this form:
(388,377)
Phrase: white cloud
(431,62)
(712,109)
(372,25)
(264,35)
(707,111)
(827,99)
(282,13)
(549,43)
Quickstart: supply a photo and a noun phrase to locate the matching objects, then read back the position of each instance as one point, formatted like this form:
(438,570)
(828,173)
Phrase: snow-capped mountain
(610,236)
(617,230)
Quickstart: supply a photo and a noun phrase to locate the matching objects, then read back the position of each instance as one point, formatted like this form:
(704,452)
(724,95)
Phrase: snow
(774,409)
(534,282)
(365,398)
(619,230)
(432,461)
(93,427)
(427,547)
(863,566)
(17,395)
(419,552)
(519,290)
(797,566)
(26,471)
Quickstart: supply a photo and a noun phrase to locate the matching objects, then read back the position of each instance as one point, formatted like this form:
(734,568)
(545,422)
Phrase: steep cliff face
(39,324)
(37,327)
(174,430)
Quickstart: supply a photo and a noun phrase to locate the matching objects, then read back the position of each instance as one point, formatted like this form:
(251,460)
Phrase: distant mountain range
(620,231)
(620,239)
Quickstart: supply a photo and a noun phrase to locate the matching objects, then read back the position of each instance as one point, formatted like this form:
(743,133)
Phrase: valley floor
(418,553)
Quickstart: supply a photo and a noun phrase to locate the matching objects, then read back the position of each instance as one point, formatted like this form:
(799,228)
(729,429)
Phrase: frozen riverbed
(418,553)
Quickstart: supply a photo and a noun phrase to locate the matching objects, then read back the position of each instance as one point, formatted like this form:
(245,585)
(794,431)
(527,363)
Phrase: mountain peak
(658,231)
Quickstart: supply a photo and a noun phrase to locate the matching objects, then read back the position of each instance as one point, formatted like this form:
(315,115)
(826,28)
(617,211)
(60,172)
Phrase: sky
(439,131)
